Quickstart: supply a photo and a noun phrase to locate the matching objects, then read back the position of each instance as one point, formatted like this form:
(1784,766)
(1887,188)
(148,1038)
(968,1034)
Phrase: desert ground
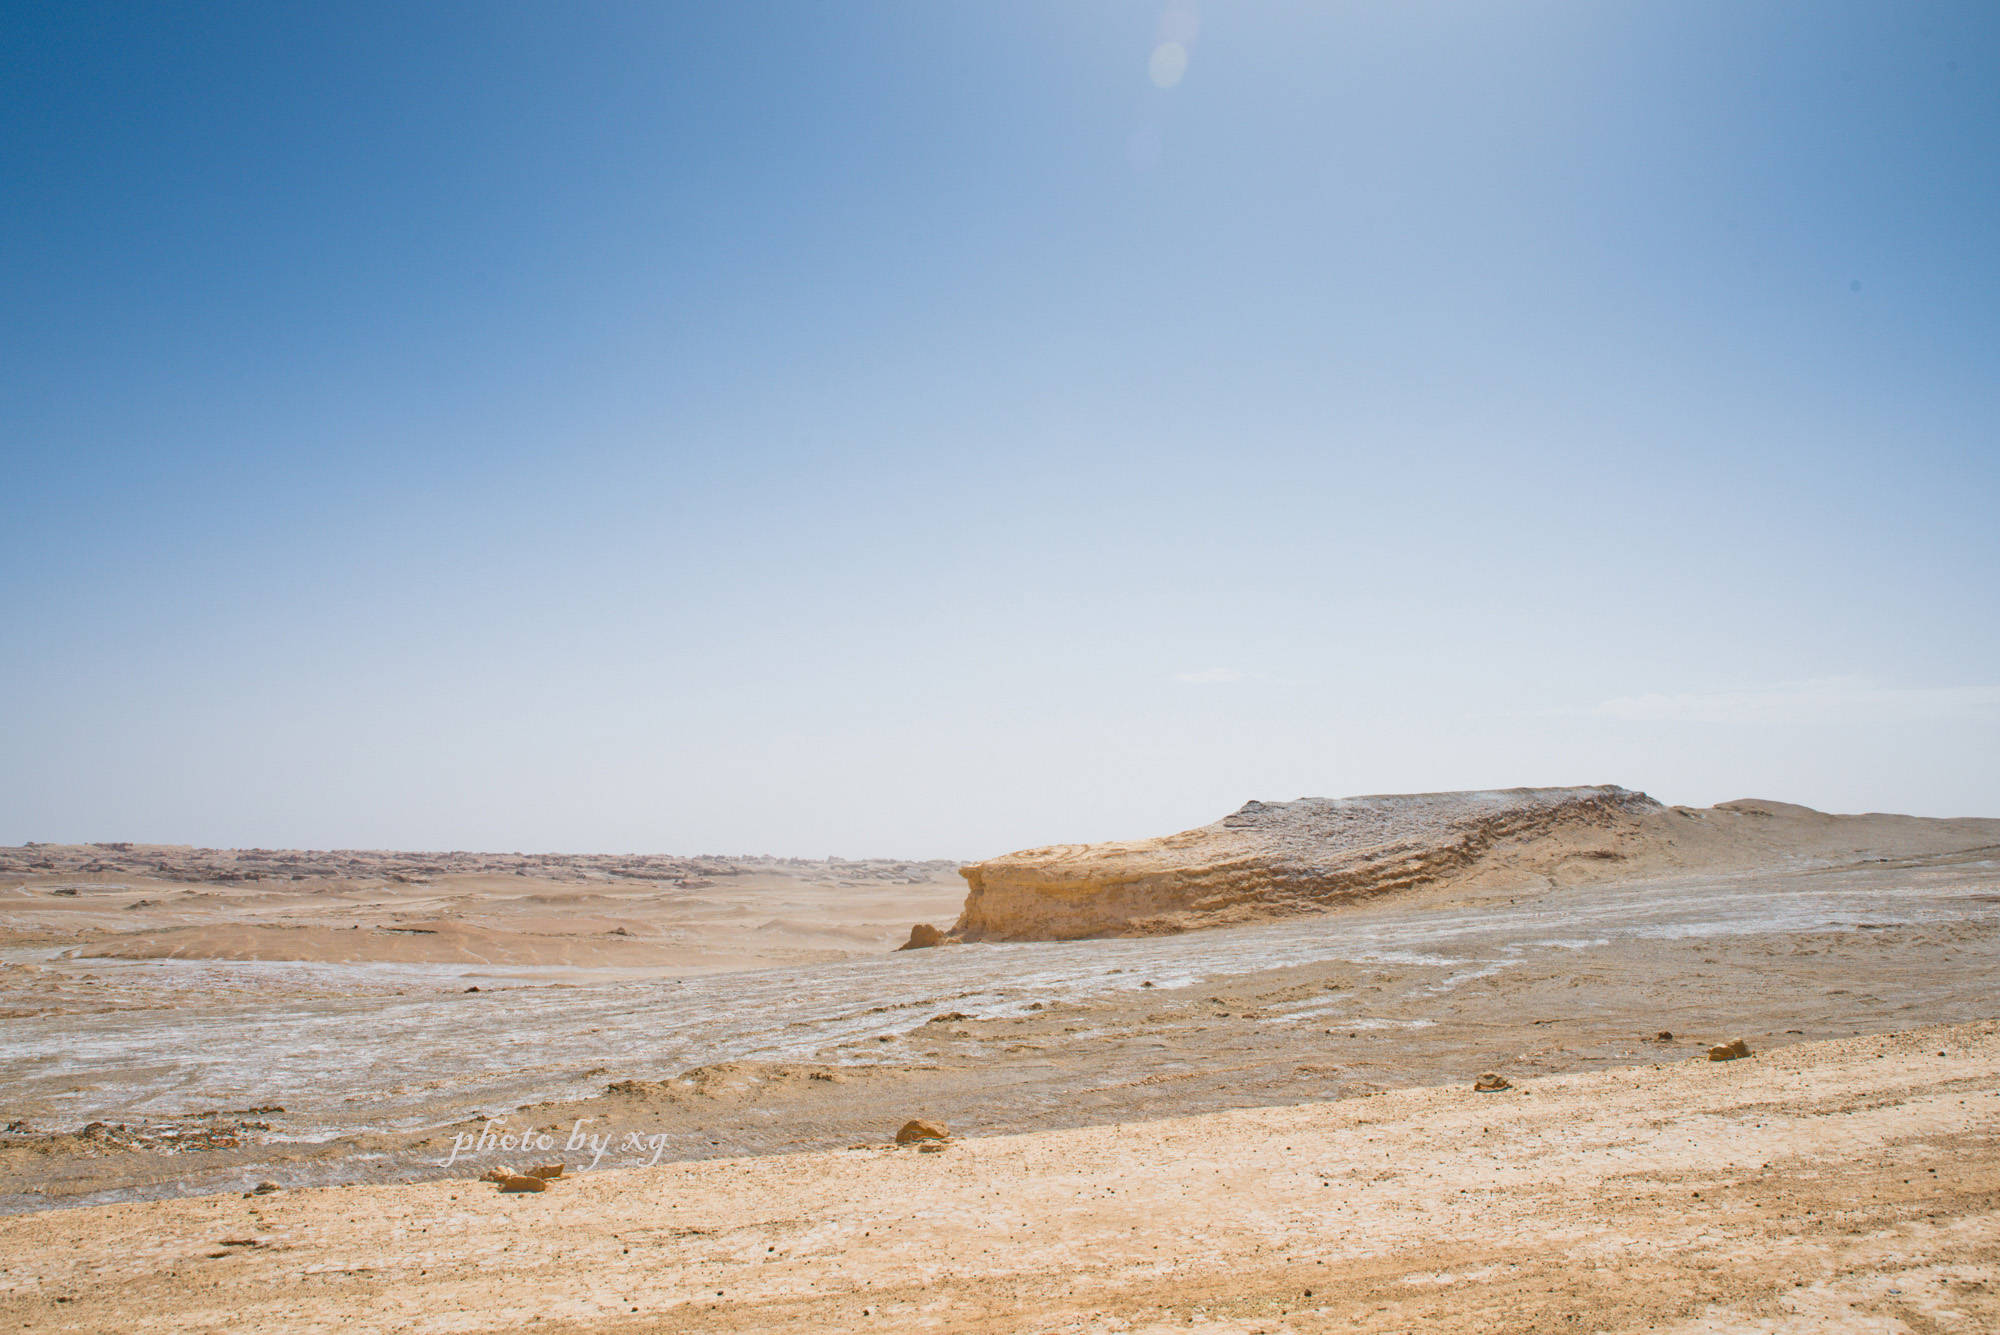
(1851,1185)
(1250,1080)
(681,915)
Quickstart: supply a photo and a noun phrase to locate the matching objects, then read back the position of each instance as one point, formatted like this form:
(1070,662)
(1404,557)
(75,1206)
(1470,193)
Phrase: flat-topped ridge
(1274,859)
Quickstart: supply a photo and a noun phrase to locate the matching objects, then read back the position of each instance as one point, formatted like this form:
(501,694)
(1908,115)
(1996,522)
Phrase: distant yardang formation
(1276,859)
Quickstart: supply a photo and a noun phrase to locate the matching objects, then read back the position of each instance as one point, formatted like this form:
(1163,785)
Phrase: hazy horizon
(735,854)
(929,431)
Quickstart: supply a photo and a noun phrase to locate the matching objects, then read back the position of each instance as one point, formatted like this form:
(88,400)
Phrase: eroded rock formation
(1272,859)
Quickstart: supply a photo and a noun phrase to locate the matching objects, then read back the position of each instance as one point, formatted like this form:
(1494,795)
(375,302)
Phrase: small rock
(948,1017)
(931,1147)
(523,1182)
(548,1172)
(1730,1051)
(918,1129)
(922,937)
(499,1172)
(265,1188)
(472,989)
(1664,1036)
(1491,1082)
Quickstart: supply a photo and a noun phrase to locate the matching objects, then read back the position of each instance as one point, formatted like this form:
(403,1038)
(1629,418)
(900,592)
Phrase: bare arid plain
(1221,1080)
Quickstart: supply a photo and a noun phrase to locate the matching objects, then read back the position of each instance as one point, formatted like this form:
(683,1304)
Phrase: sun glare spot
(1168,64)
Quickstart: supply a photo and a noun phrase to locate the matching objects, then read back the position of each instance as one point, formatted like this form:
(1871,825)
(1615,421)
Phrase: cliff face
(1275,859)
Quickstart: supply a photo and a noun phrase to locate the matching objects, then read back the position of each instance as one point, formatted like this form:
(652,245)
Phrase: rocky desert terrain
(1841,1186)
(687,915)
(1186,1079)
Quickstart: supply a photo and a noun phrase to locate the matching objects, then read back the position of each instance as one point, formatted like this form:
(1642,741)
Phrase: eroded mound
(1276,858)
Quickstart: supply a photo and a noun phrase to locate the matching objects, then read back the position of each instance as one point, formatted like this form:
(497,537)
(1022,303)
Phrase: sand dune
(1270,860)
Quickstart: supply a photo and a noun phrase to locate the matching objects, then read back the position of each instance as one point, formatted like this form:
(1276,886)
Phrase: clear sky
(932,429)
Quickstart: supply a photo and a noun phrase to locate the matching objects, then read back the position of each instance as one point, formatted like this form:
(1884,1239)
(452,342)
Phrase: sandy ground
(1259,1127)
(1851,1185)
(208,1075)
(665,914)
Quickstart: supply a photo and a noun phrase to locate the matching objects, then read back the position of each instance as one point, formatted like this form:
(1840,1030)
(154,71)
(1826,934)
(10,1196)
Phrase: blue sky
(913,429)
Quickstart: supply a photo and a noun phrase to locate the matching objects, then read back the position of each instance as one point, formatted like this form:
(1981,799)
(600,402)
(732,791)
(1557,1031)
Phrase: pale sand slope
(1271,860)
(1851,1185)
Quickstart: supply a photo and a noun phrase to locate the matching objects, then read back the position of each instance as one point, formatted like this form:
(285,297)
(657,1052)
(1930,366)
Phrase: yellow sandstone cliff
(1276,859)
